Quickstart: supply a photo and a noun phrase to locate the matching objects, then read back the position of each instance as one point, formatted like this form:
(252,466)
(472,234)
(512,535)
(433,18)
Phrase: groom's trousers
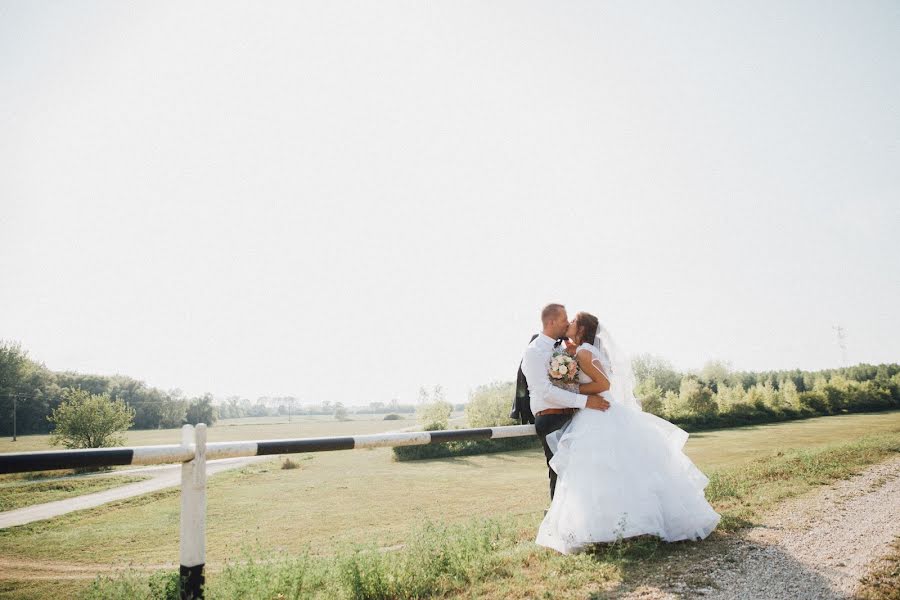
(545,425)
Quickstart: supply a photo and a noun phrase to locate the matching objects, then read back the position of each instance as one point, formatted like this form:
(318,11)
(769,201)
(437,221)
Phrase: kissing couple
(615,471)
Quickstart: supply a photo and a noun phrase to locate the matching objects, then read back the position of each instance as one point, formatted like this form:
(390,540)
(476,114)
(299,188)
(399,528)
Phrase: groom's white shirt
(535,367)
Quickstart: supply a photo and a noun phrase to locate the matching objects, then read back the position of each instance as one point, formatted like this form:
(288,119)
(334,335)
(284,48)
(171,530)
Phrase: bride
(622,472)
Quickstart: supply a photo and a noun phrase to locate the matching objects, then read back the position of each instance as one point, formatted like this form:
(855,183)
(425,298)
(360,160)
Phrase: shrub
(814,401)
(85,420)
(650,396)
(392,417)
(435,415)
(489,405)
(288,464)
(465,448)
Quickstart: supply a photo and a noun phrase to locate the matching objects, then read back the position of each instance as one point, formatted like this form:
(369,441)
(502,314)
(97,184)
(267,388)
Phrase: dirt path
(816,547)
(161,477)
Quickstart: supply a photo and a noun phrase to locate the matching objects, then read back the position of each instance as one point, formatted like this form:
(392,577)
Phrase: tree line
(714,396)
(717,396)
(37,391)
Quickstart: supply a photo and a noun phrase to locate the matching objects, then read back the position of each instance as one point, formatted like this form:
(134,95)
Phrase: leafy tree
(730,397)
(694,401)
(716,373)
(86,420)
(646,366)
(172,412)
(340,412)
(789,395)
(30,384)
(201,410)
(650,396)
(435,415)
(489,405)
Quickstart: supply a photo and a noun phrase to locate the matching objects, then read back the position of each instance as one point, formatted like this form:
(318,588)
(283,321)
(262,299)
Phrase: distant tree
(423,396)
(731,398)
(172,412)
(201,410)
(435,415)
(650,395)
(694,400)
(437,393)
(646,366)
(340,412)
(86,420)
(32,386)
(489,405)
(715,373)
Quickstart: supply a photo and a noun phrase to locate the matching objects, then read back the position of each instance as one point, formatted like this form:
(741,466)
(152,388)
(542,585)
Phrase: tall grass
(741,493)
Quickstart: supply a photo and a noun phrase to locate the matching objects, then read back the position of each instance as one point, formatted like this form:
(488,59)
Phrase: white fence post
(193,514)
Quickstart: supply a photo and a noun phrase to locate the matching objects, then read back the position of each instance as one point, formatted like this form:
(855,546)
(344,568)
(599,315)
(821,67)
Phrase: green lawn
(340,498)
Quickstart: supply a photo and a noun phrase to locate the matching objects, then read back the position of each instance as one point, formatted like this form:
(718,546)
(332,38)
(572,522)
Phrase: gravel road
(816,547)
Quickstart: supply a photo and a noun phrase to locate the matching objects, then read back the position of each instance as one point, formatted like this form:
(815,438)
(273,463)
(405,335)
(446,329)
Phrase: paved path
(161,477)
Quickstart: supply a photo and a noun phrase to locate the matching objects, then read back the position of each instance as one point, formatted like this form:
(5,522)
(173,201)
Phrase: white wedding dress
(622,473)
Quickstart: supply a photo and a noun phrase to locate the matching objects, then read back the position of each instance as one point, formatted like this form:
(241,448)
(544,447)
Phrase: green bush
(489,405)
(392,417)
(85,420)
(434,415)
(465,448)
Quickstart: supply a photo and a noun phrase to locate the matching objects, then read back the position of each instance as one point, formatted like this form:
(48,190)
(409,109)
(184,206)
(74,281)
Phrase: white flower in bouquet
(563,368)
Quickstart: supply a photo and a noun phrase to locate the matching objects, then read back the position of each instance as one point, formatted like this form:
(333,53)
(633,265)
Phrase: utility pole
(15,397)
(842,342)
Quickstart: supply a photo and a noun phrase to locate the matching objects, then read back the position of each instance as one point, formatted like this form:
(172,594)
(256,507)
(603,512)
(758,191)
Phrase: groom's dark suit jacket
(521,405)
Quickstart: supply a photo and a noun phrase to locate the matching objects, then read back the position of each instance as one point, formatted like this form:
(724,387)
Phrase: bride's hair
(587,325)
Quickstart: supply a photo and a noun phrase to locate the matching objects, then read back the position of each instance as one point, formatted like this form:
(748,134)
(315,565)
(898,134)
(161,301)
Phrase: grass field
(17,491)
(341,498)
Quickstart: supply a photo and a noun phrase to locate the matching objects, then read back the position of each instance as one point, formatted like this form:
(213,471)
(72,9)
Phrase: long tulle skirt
(623,473)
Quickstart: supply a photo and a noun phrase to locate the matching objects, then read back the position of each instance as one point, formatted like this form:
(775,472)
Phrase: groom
(552,406)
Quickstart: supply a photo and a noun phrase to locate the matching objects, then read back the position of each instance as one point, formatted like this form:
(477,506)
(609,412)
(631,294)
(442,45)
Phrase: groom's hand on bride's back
(597,403)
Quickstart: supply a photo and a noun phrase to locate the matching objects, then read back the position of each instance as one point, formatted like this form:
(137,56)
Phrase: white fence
(194,451)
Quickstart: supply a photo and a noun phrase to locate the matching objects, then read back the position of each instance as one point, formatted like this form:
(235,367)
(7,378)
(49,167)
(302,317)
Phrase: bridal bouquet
(563,368)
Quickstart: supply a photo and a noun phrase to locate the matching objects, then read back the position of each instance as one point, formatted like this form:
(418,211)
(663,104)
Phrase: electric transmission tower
(842,342)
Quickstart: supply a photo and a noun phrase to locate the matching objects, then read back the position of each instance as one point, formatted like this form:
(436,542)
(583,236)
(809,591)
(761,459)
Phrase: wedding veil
(617,368)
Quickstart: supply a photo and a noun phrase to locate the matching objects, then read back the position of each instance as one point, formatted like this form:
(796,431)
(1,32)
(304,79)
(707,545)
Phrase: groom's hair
(550,312)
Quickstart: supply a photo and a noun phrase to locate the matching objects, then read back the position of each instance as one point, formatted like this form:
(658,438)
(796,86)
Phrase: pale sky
(346,200)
